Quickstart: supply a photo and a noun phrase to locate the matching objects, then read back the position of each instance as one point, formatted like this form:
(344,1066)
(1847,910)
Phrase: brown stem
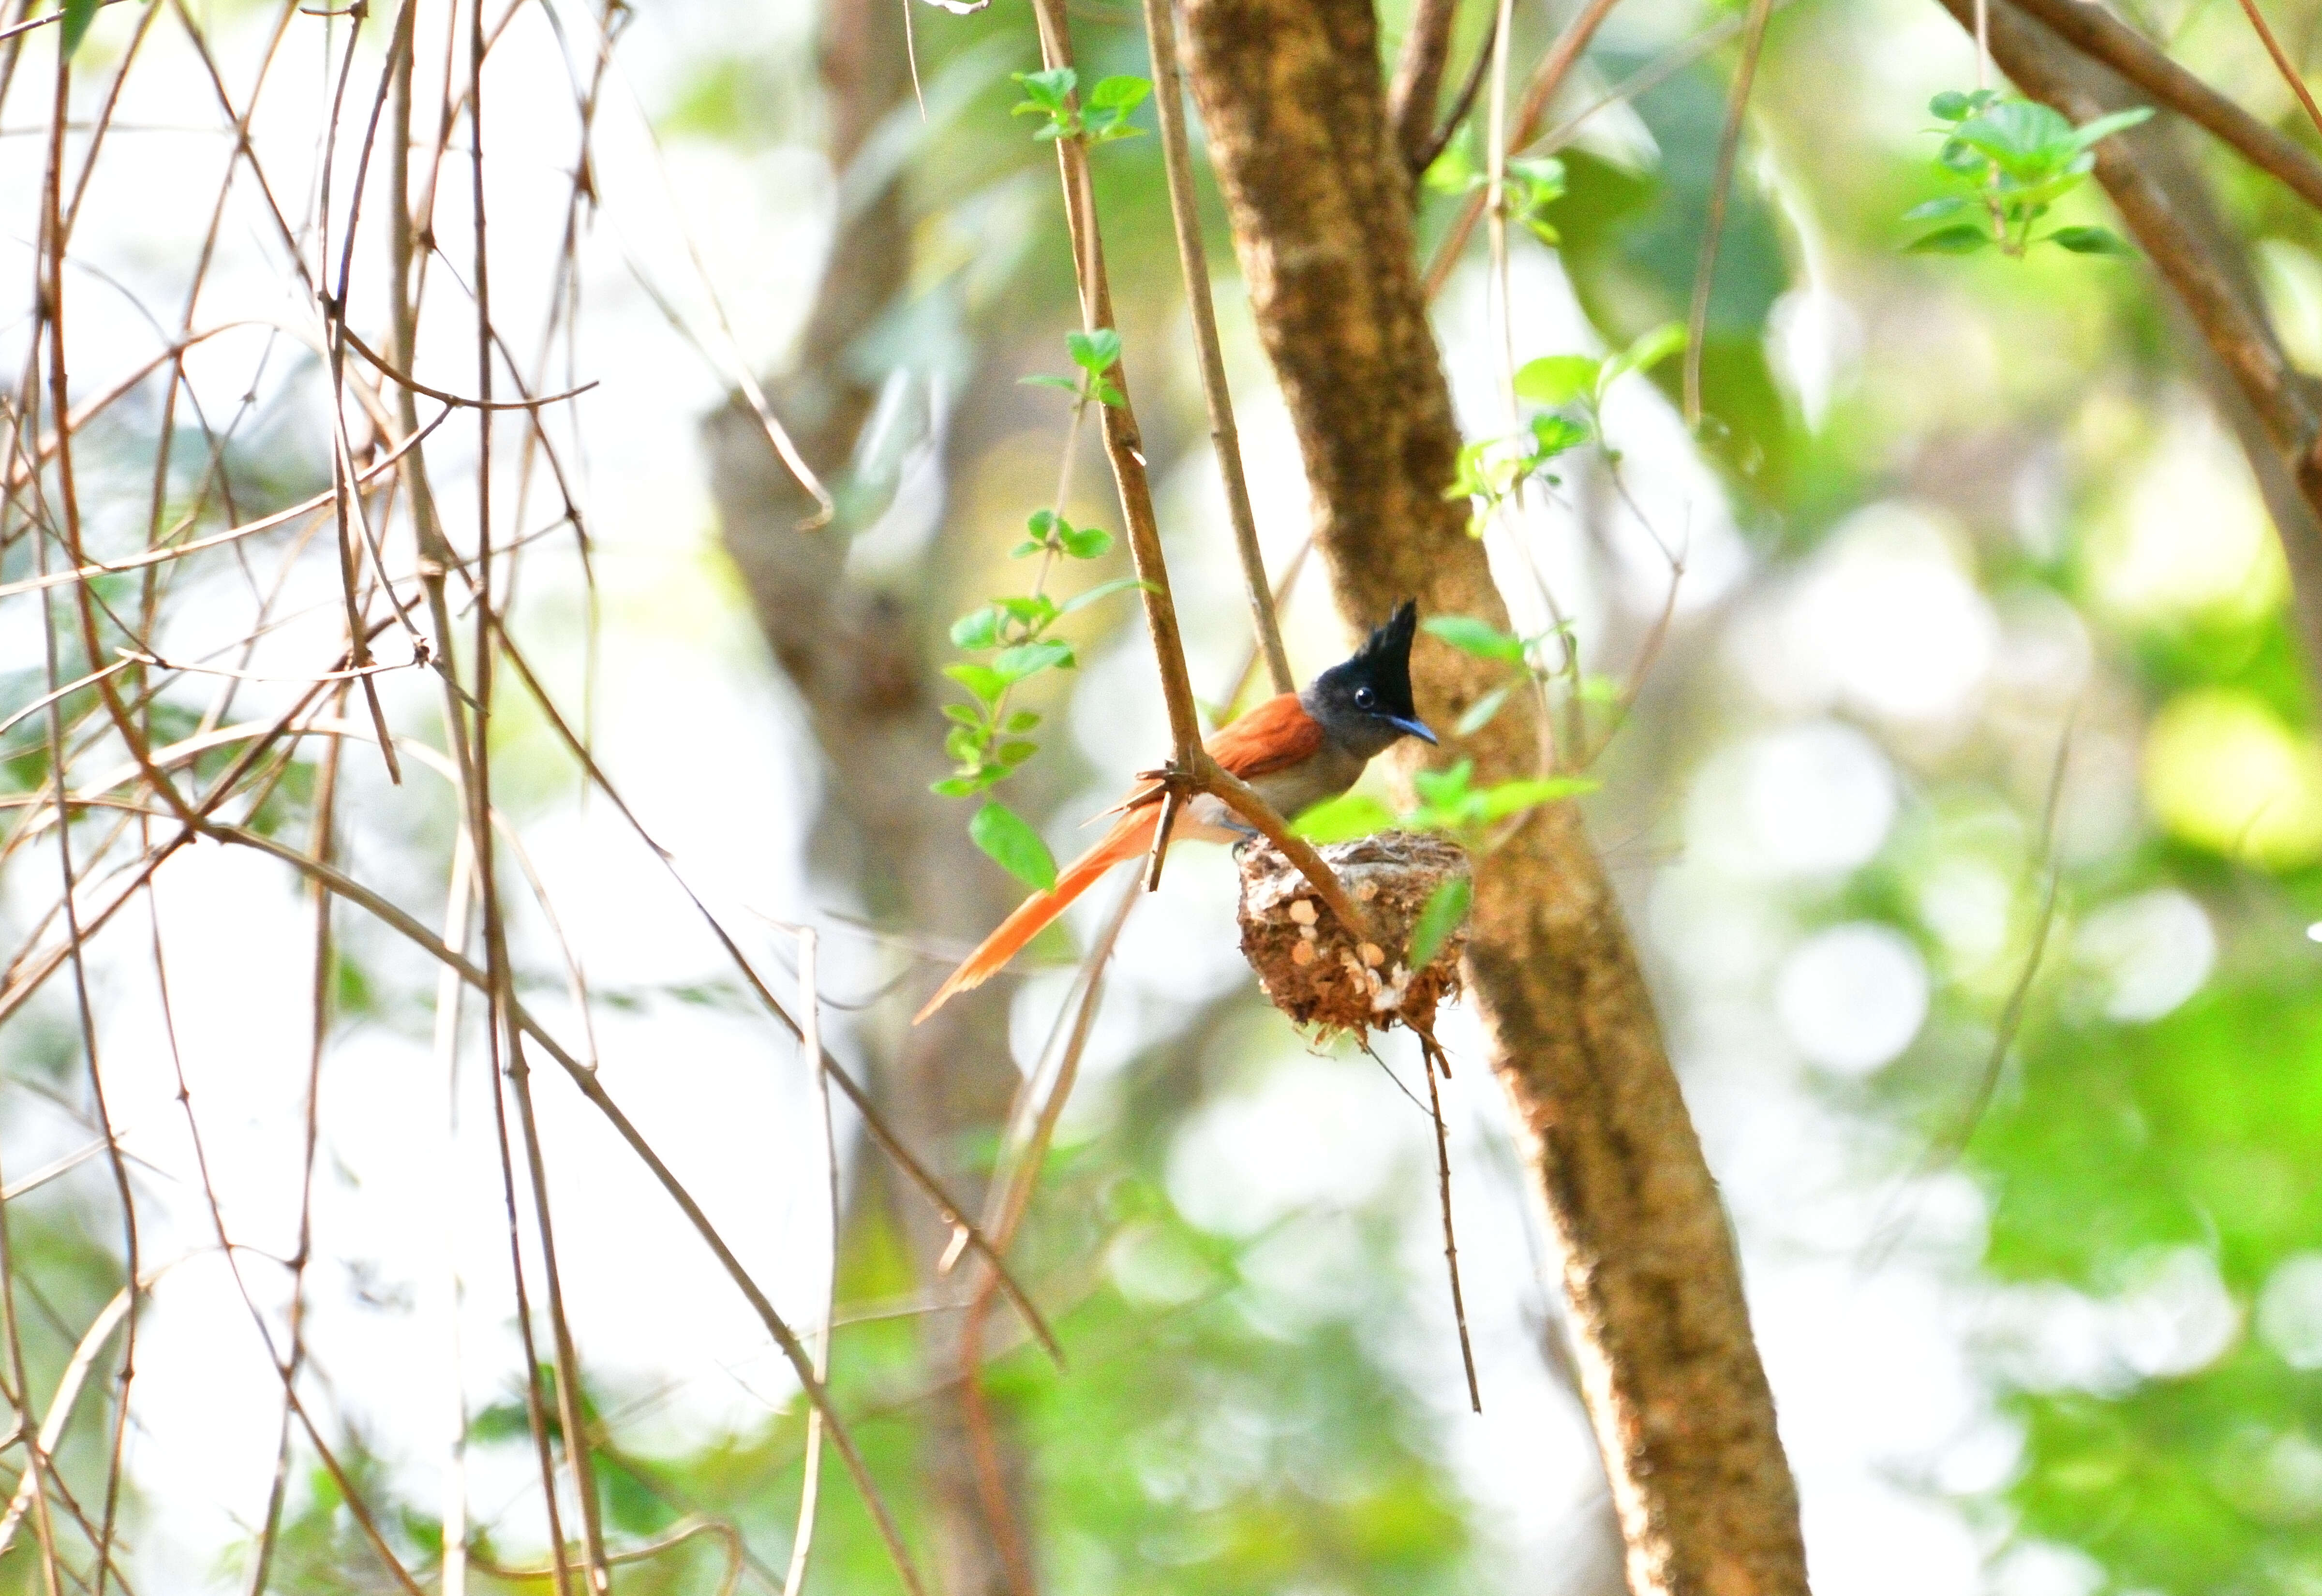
(1547,78)
(1321,210)
(1720,190)
(2282,63)
(1419,79)
(1192,260)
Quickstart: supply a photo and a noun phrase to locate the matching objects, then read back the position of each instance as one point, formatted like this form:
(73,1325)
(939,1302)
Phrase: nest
(1319,973)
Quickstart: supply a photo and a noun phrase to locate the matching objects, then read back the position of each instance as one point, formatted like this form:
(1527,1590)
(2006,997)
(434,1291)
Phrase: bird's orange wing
(1277,733)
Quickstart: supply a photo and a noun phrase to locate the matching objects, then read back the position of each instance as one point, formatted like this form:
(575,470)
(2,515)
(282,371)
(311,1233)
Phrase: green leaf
(1022,721)
(1446,911)
(2089,134)
(2092,240)
(1016,753)
(963,745)
(78,14)
(1480,713)
(1964,238)
(1101,590)
(986,683)
(1013,846)
(1014,664)
(1095,353)
(1107,394)
(1952,105)
(978,628)
(1083,542)
(1556,379)
(2025,137)
(1044,92)
(957,786)
(1343,819)
(1065,383)
(1121,94)
(1512,798)
(964,713)
(1650,350)
(1552,434)
(1034,610)
(1445,790)
(1950,204)
(1472,636)
(1455,170)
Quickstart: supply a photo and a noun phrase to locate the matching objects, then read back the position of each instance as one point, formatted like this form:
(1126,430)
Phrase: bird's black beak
(1414,728)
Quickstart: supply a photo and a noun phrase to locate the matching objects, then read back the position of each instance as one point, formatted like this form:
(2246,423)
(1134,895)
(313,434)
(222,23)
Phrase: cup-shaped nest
(1316,971)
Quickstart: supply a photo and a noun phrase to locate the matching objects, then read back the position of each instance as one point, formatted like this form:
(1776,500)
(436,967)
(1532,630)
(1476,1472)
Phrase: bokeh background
(1969,819)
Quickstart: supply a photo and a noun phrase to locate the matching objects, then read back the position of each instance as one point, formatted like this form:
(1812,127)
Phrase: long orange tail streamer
(1130,836)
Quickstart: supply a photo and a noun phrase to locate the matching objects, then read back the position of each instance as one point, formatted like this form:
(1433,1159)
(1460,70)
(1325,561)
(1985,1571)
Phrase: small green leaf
(1022,721)
(1016,753)
(1556,379)
(1101,590)
(1964,238)
(1095,352)
(1119,94)
(1649,350)
(1445,789)
(1343,819)
(978,628)
(1446,911)
(982,681)
(1480,713)
(1952,105)
(957,786)
(1552,434)
(1472,636)
(78,14)
(963,745)
(1083,542)
(2089,133)
(1950,204)
(2092,240)
(1065,383)
(1034,610)
(1044,92)
(1512,798)
(1014,664)
(964,714)
(1106,394)
(1013,845)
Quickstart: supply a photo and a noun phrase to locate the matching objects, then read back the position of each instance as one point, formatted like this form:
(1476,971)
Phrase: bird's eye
(1365,699)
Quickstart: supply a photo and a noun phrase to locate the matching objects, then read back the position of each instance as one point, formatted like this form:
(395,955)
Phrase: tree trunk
(1321,207)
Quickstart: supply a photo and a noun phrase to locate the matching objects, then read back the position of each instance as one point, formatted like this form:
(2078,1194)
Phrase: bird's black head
(1365,702)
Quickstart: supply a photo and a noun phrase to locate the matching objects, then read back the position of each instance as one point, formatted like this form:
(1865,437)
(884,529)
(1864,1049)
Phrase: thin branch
(1721,189)
(1193,261)
(1418,80)
(1547,78)
(2097,34)
(2282,63)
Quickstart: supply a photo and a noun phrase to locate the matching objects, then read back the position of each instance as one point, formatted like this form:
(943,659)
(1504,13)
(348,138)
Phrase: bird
(1296,749)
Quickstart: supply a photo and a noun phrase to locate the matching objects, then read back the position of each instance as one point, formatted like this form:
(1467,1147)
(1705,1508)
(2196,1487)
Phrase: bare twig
(1720,188)
(1193,261)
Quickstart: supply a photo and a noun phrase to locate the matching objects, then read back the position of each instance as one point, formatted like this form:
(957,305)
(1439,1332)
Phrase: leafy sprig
(1096,354)
(1100,118)
(2013,158)
(989,741)
(1528,186)
(1491,471)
